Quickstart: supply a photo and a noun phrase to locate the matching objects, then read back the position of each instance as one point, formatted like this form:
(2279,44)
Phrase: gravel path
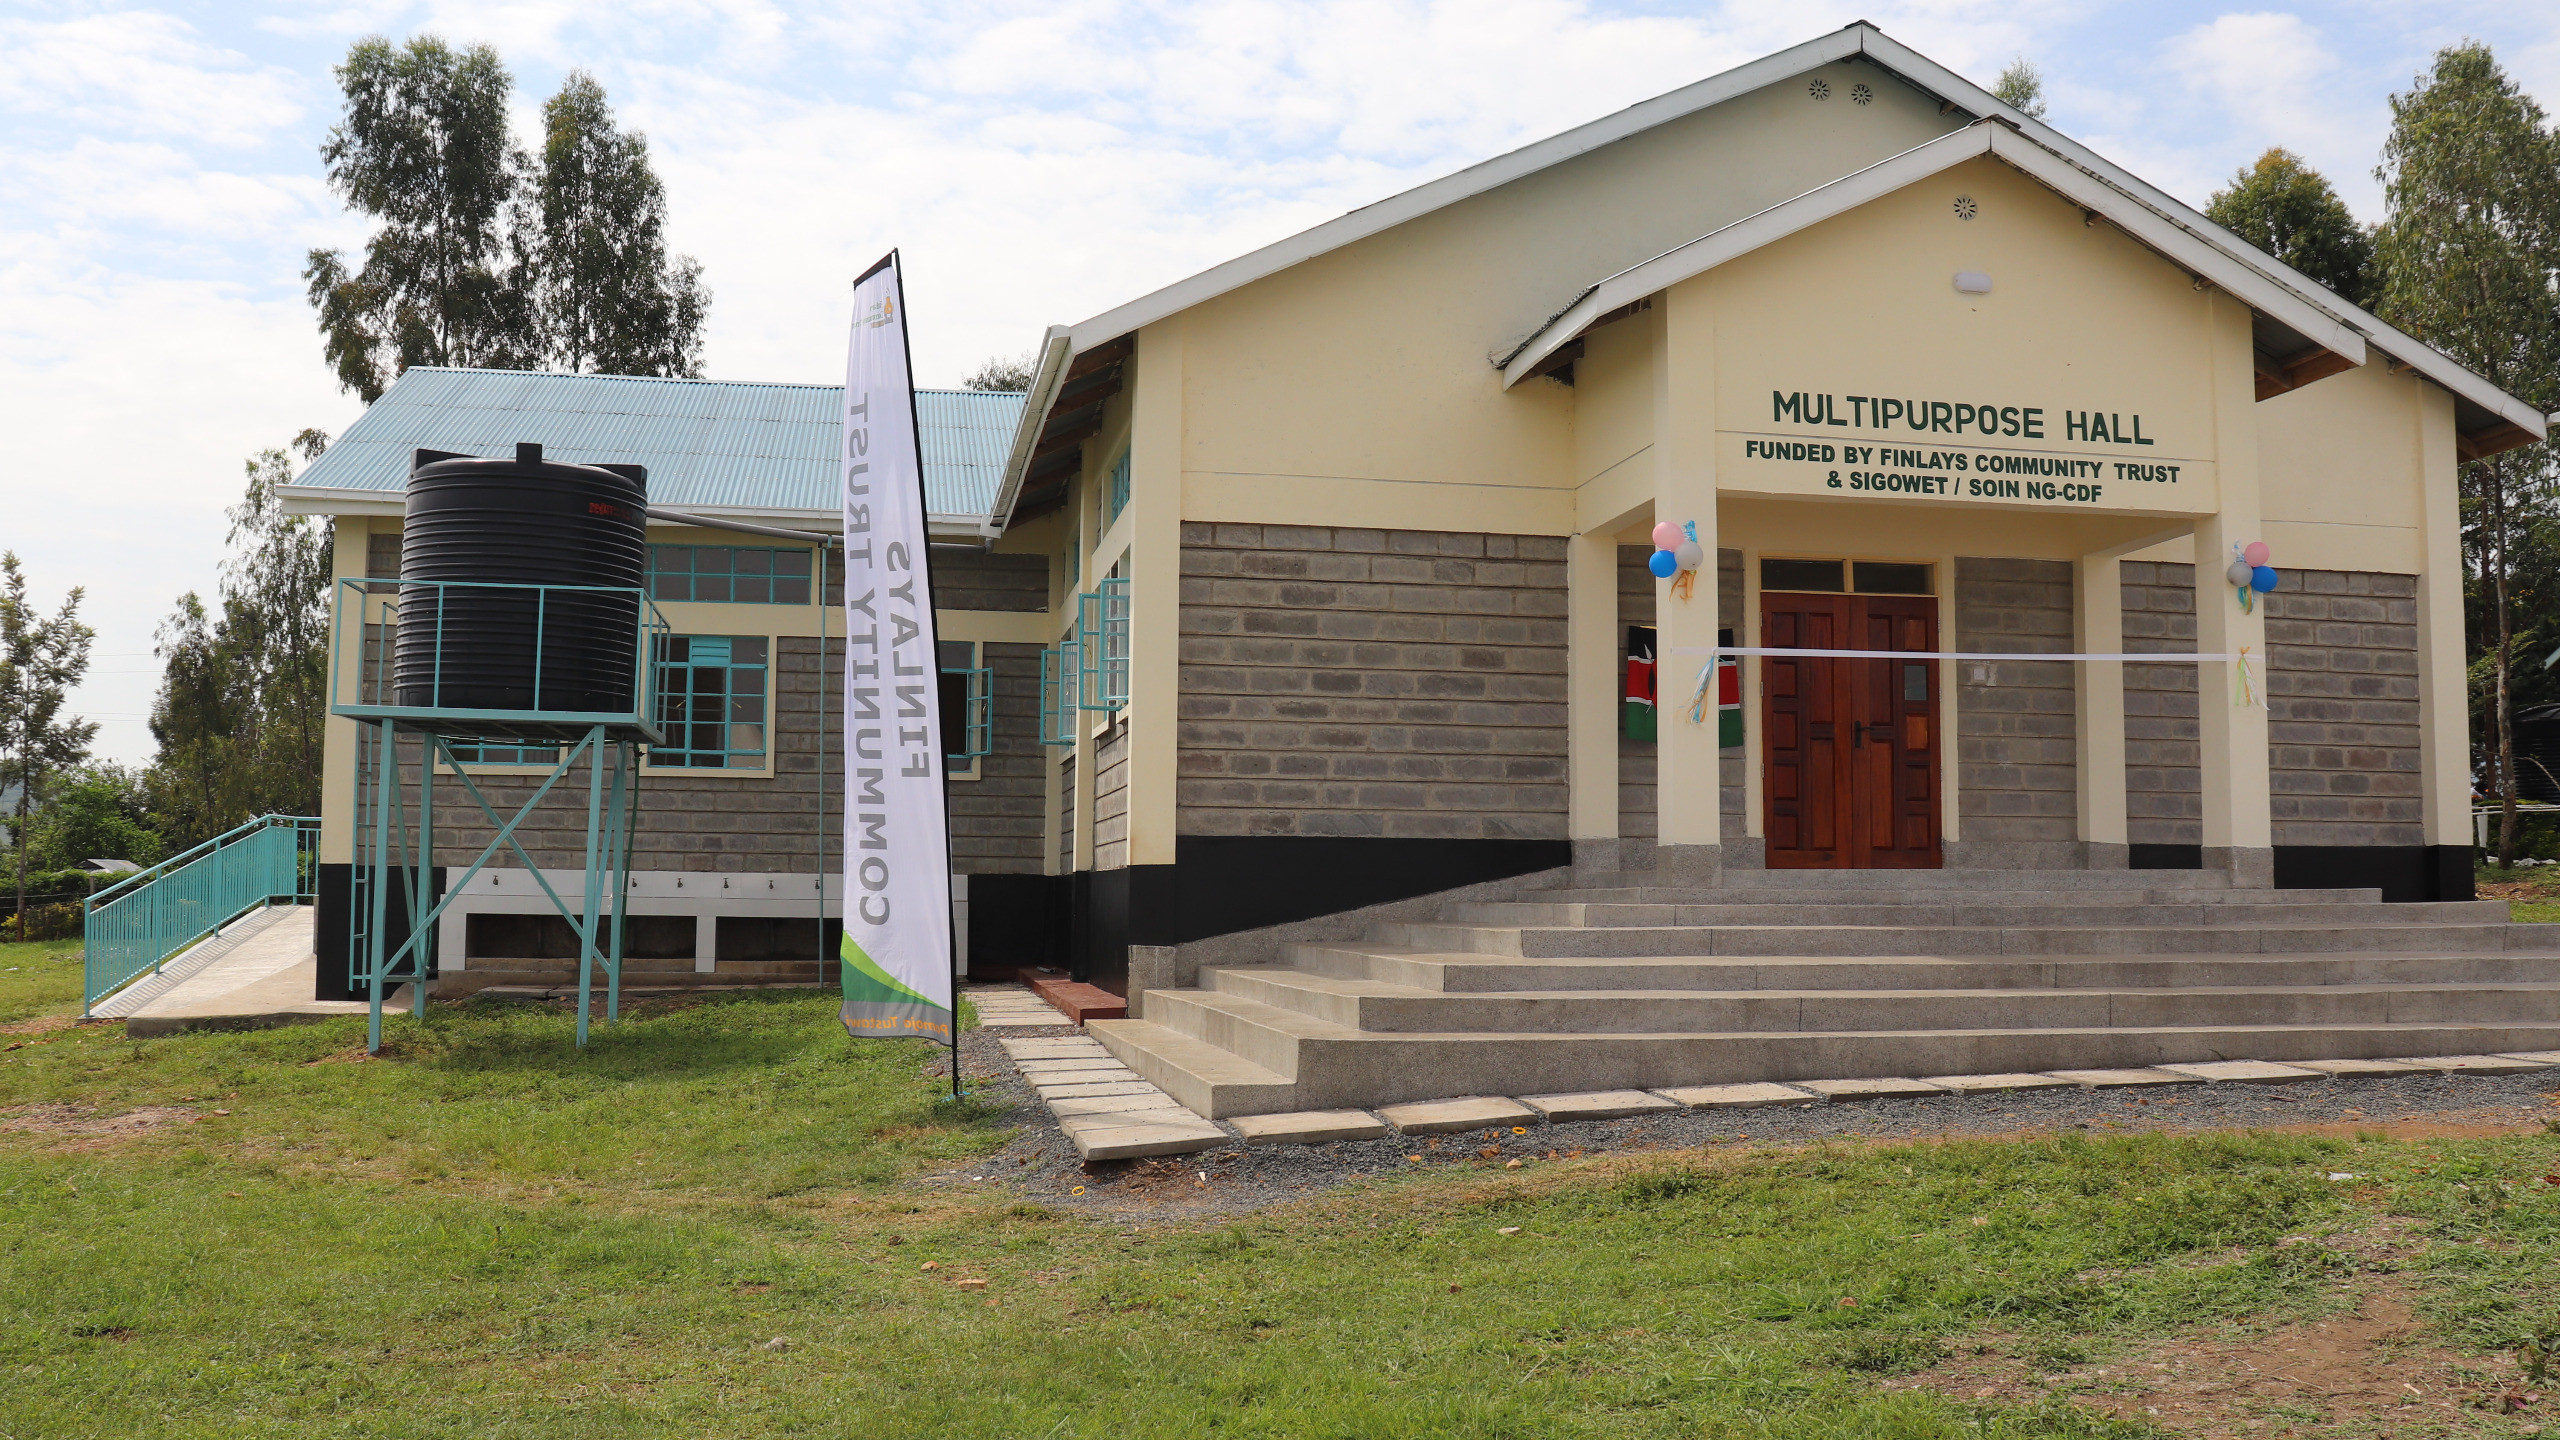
(1040,1165)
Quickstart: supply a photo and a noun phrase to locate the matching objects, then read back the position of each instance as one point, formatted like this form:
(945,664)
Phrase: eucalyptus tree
(41,658)
(422,148)
(2288,209)
(2465,260)
(2021,88)
(591,247)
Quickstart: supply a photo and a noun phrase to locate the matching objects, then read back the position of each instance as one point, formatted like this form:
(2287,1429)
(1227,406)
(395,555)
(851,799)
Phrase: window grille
(711,701)
(968,707)
(729,574)
(1118,491)
(1061,671)
(1102,636)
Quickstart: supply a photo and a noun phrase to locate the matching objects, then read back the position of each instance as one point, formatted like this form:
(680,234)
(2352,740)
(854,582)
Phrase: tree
(97,812)
(591,248)
(41,658)
(423,148)
(2021,88)
(243,697)
(2287,209)
(2464,261)
(1003,372)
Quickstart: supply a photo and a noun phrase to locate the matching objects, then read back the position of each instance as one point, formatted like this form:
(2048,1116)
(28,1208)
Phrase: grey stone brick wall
(721,824)
(2016,765)
(1111,798)
(1639,762)
(989,580)
(1339,681)
(1067,815)
(2164,802)
(996,818)
(2342,701)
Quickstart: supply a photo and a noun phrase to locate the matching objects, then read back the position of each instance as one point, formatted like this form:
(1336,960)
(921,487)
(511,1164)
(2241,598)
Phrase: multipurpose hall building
(1307,586)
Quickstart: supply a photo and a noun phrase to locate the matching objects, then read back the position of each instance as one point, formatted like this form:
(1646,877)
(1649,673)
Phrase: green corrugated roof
(709,444)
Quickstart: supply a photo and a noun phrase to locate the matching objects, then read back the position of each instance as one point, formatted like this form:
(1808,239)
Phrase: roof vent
(1965,208)
(1860,93)
(1819,89)
(1972,282)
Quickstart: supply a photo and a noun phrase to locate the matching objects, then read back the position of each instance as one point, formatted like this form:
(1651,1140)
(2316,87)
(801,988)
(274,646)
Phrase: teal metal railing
(136,924)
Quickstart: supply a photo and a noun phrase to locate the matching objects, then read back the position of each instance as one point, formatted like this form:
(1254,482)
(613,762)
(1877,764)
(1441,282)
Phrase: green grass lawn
(488,1234)
(2532,892)
(40,977)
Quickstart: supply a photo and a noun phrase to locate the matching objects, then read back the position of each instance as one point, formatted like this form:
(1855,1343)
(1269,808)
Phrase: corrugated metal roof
(709,444)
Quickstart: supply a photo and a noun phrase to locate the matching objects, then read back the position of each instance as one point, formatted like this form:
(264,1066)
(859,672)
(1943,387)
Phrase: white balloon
(1690,555)
(2239,572)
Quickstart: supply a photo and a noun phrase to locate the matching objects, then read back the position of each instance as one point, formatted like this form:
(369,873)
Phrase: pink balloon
(2255,553)
(1667,536)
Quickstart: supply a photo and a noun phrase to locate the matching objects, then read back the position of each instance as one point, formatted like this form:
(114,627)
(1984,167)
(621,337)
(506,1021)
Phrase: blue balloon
(1664,564)
(2263,578)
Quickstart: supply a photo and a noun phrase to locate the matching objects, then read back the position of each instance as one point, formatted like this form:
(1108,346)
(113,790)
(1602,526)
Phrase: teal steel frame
(139,922)
(391,854)
(977,714)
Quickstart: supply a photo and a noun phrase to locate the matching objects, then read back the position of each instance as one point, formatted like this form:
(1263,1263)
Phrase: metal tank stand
(393,851)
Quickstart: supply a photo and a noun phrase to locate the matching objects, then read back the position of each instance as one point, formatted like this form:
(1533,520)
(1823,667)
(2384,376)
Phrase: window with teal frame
(711,701)
(1117,492)
(968,707)
(1061,674)
(729,574)
(1102,638)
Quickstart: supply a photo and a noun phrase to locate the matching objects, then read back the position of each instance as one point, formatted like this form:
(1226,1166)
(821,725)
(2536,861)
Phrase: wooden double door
(1852,744)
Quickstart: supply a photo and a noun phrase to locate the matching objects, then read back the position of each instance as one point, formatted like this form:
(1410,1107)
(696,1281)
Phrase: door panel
(1851,744)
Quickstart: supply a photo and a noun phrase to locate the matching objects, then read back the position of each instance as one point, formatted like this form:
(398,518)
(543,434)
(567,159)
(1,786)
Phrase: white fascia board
(1474,180)
(2437,366)
(1057,351)
(1910,167)
(331,500)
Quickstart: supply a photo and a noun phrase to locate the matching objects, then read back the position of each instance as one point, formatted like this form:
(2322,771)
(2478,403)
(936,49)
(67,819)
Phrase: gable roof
(2278,306)
(714,447)
(2489,418)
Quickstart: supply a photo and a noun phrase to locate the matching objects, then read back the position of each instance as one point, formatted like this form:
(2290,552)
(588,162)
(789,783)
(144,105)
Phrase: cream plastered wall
(2087,357)
(1359,384)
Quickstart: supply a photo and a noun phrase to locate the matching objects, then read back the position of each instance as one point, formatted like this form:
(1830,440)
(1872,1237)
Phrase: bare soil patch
(45,1025)
(84,1121)
(2367,1370)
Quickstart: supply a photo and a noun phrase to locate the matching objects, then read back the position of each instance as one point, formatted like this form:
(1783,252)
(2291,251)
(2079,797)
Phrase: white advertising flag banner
(897,851)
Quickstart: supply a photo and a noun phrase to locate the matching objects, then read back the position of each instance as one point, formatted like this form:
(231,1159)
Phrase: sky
(160,183)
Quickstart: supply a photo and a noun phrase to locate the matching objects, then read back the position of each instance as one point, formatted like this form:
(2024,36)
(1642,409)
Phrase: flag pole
(915,427)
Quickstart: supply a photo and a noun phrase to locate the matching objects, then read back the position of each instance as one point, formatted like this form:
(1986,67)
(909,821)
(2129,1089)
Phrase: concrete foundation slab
(2349,1069)
(1063,1047)
(1836,1091)
(1152,1099)
(1978,1084)
(1081,1090)
(1309,1127)
(1043,1069)
(1439,1117)
(1597,1105)
(2111,1079)
(2547,1057)
(1738,1097)
(1140,1134)
(2479,1064)
(2246,1072)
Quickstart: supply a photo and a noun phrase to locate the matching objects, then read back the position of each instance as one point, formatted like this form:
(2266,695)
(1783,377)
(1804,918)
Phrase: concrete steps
(1831,975)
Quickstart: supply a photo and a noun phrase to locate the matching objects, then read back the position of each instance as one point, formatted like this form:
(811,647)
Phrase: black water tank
(525,521)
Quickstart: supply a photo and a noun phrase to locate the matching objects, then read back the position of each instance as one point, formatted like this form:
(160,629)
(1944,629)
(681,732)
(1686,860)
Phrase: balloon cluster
(2250,574)
(1676,552)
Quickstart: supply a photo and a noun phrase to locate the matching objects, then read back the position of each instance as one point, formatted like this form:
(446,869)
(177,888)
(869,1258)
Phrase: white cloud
(134,72)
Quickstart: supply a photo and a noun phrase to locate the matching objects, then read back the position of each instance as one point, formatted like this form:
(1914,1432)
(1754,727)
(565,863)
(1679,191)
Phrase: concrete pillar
(706,944)
(1155,591)
(2097,592)
(2238,828)
(2444,710)
(1690,847)
(1593,684)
